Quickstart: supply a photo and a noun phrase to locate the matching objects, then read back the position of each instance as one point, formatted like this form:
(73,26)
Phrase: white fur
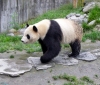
(33,35)
(67,29)
(43,27)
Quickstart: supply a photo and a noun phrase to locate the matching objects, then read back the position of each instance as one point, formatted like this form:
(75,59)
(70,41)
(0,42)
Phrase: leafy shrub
(94,14)
(86,27)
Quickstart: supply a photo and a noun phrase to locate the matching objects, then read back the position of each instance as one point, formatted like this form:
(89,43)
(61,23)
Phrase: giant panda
(51,33)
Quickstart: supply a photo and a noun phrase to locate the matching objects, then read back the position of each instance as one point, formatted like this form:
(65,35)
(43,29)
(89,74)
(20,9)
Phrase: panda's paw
(44,59)
(72,55)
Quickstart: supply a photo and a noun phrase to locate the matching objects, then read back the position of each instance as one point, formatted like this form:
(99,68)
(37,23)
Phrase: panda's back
(67,29)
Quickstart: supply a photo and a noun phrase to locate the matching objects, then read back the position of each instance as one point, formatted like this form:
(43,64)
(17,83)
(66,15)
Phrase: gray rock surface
(21,31)
(14,67)
(97,28)
(87,56)
(10,34)
(90,6)
(35,62)
(78,17)
(12,30)
(92,23)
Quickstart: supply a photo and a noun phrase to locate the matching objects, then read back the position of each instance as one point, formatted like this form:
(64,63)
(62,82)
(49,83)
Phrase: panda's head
(30,34)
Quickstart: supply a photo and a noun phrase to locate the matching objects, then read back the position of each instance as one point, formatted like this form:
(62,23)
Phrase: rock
(14,67)
(78,17)
(12,30)
(87,56)
(10,34)
(96,52)
(97,28)
(88,41)
(85,20)
(90,6)
(20,35)
(35,62)
(91,23)
(60,59)
(73,18)
(21,31)
(70,15)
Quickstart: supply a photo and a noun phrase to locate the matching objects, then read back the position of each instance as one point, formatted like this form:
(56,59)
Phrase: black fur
(27,25)
(43,46)
(28,37)
(75,46)
(35,29)
(51,43)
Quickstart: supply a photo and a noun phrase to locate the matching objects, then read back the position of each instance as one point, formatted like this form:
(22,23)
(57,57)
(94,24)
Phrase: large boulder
(92,23)
(90,6)
(78,17)
(97,28)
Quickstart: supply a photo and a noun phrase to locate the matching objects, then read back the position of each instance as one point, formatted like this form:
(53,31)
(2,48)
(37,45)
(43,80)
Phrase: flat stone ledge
(14,67)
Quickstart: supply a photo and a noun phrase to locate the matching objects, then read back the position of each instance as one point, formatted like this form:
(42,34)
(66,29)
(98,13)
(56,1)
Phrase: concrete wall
(22,10)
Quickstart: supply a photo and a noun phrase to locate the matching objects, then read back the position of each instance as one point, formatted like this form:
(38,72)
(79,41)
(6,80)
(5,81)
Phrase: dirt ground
(44,77)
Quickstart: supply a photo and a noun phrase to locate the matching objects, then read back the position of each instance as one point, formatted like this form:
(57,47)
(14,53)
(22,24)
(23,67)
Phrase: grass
(14,43)
(94,14)
(87,27)
(89,32)
(73,80)
(65,76)
(93,36)
(11,56)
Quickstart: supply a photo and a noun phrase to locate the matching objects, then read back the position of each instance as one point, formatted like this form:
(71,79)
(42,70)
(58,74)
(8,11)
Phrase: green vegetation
(73,80)
(87,79)
(94,14)
(93,36)
(65,76)
(12,56)
(89,32)
(14,43)
(86,27)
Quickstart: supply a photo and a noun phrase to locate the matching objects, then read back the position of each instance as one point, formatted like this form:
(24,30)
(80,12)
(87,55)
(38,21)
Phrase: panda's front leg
(43,46)
(53,50)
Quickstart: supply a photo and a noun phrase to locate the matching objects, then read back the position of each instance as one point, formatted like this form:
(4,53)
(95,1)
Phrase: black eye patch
(28,37)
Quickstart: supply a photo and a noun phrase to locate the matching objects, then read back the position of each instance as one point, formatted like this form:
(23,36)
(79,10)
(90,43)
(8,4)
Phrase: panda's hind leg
(75,46)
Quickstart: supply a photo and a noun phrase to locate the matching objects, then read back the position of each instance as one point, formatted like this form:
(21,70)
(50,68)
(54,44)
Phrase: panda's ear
(27,25)
(35,28)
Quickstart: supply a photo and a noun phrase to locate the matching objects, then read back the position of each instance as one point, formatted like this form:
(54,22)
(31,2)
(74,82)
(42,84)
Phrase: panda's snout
(22,41)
